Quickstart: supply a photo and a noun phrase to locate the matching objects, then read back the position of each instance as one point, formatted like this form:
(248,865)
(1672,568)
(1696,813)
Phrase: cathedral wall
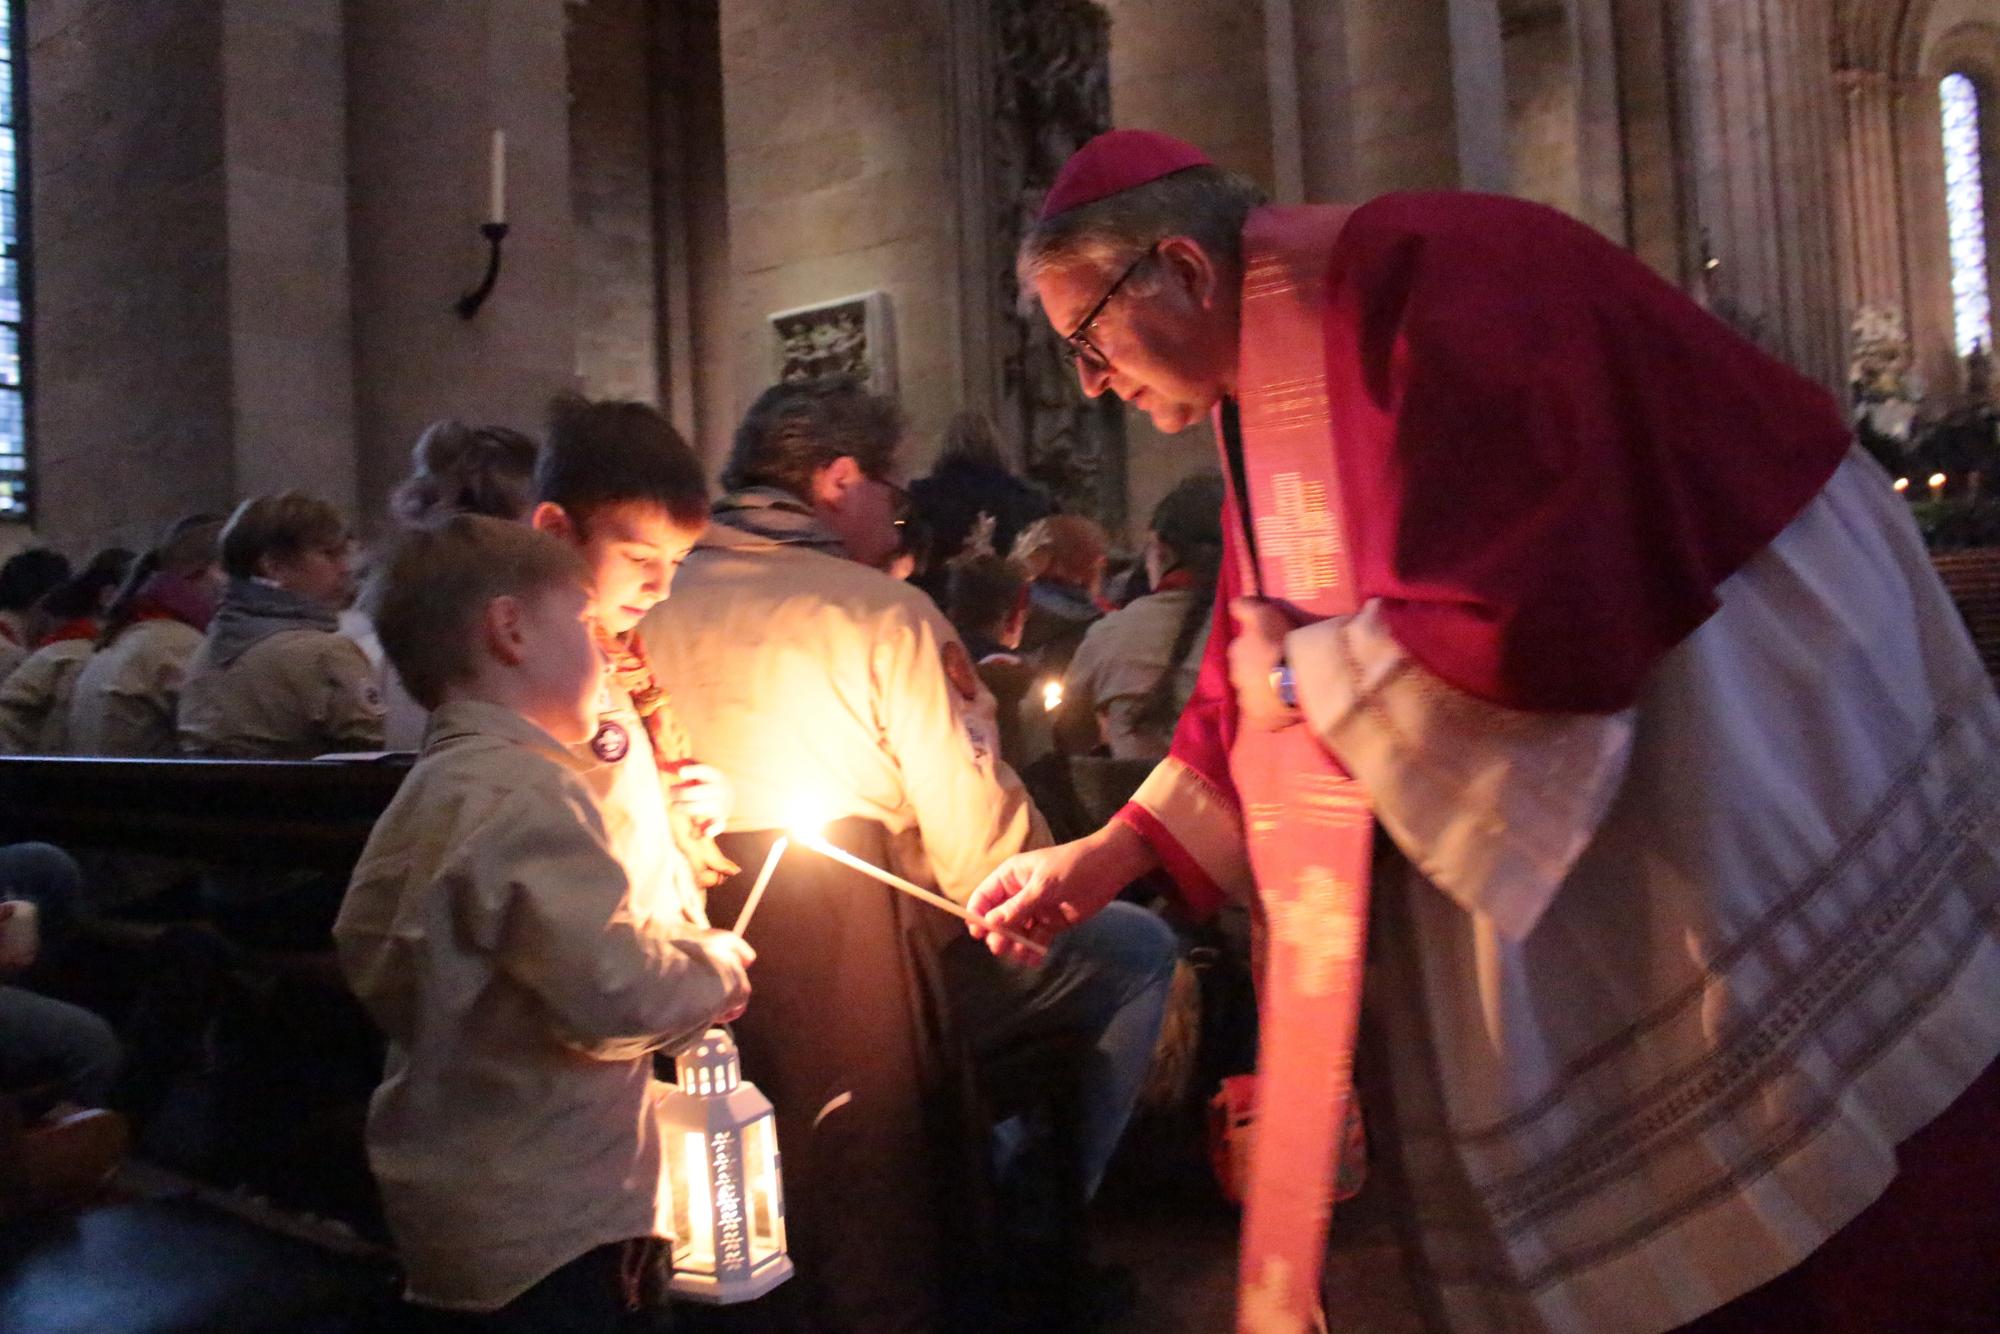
(611,128)
(839,141)
(1196,71)
(428,81)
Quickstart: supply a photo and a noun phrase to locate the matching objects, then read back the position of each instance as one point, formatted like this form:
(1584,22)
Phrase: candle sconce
(469,304)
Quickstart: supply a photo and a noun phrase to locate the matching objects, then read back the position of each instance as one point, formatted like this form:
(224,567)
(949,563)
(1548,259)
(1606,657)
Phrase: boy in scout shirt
(274,678)
(615,480)
(512,960)
(127,693)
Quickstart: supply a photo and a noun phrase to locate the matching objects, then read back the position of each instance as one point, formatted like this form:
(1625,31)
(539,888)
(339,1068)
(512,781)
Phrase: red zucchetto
(1117,160)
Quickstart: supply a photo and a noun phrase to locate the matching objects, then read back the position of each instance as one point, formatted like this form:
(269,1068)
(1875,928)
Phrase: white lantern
(721,1145)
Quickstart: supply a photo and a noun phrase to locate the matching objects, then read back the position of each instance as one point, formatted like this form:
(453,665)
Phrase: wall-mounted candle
(1052,696)
(496,204)
(1937,486)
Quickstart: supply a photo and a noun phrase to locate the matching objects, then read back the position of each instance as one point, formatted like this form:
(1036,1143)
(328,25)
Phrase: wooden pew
(1973,580)
(311,814)
(164,982)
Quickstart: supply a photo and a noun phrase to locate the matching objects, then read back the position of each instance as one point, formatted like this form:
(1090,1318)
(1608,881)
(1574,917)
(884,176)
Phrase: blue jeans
(1107,979)
(47,1043)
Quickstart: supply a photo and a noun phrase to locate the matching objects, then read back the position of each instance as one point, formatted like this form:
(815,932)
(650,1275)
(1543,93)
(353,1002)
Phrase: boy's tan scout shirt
(495,938)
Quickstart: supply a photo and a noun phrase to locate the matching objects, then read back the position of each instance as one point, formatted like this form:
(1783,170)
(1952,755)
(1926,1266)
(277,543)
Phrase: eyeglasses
(900,501)
(1087,354)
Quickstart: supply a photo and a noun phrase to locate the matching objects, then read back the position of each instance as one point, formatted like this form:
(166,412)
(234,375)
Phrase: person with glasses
(831,693)
(1678,929)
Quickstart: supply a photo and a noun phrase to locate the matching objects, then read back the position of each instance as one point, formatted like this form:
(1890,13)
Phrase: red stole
(1307,821)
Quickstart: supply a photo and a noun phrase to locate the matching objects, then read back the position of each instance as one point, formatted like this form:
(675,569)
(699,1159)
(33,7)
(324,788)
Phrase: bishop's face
(1166,340)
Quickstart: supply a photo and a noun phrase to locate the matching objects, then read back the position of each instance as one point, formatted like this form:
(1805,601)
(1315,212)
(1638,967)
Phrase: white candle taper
(763,883)
(918,892)
(496,206)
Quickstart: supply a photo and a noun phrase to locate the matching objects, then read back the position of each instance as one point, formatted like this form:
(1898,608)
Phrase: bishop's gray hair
(1205,203)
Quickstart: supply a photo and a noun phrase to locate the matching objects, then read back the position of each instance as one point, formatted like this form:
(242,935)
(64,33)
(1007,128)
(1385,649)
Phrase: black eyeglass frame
(1088,354)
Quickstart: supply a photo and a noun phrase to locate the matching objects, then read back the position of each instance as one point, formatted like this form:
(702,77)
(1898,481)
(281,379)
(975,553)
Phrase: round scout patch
(959,671)
(611,743)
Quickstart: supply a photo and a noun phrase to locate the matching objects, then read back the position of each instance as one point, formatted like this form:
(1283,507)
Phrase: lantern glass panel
(761,1166)
(694,1210)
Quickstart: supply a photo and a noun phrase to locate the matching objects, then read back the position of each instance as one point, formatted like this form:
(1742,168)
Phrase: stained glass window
(1965,205)
(13,408)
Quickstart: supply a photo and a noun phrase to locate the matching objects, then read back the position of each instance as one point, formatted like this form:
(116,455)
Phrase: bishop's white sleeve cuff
(1491,804)
(1197,834)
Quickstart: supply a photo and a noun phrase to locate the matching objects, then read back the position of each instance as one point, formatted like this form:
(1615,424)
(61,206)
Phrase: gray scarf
(252,612)
(777,516)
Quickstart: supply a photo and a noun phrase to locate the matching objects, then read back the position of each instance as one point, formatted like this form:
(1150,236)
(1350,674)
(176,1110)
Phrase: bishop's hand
(1256,652)
(1045,892)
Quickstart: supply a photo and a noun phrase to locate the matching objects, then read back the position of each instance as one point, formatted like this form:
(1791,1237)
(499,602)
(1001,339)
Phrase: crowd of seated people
(242,637)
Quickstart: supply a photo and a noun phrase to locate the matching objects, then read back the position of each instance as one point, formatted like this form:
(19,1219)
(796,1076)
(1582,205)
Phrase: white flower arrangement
(1883,389)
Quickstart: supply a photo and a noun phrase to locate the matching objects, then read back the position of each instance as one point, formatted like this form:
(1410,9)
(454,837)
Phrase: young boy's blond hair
(434,583)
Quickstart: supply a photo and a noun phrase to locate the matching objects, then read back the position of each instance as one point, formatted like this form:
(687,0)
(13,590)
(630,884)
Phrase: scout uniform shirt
(34,700)
(127,693)
(808,677)
(276,680)
(618,766)
(496,940)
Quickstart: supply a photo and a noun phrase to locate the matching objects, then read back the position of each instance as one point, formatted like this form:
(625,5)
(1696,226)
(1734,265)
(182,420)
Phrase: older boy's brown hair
(433,586)
(284,526)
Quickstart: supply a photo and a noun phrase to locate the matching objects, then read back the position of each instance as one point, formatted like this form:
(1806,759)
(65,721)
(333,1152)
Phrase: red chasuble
(1529,451)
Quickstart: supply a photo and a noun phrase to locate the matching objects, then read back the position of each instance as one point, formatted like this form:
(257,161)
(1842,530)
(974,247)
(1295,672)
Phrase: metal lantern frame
(720,1141)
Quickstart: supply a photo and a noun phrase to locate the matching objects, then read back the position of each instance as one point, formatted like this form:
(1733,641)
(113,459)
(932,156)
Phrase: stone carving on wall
(1051,92)
(850,335)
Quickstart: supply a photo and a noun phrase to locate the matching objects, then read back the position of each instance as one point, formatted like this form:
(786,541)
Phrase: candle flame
(808,819)
(1937,480)
(1052,696)
(1902,484)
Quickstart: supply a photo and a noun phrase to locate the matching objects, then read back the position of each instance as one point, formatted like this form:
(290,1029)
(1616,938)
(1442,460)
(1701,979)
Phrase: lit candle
(763,883)
(1937,486)
(922,895)
(1052,696)
(1901,485)
(496,206)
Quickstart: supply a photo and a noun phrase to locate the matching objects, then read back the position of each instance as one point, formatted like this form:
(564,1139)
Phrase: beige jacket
(498,942)
(34,699)
(126,695)
(290,696)
(1119,660)
(807,677)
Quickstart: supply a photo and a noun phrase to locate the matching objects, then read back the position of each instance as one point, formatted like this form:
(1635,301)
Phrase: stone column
(290,343)
(192,333)
(1868,192)
(1760,109)
(691,206)
(1479,95)
(1660,227)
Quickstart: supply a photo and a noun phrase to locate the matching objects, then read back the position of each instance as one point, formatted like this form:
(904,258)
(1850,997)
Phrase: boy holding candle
(523,974)
(616,481)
